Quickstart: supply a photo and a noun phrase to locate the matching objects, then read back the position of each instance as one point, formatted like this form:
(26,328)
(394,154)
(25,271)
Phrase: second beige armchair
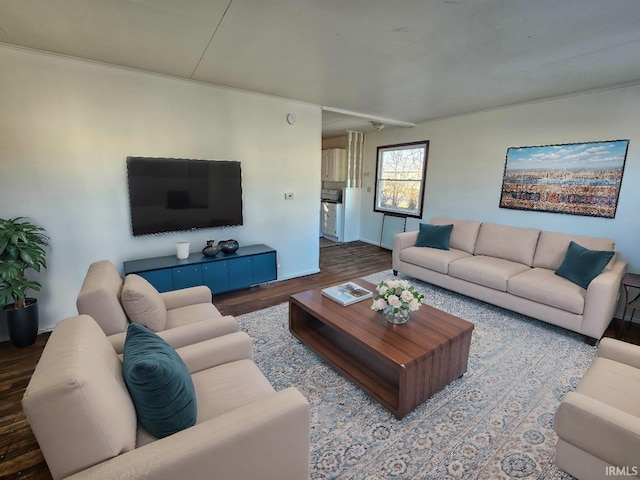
(181,317)
(598,425)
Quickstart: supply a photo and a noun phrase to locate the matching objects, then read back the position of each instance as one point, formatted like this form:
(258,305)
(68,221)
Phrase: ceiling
(395,63)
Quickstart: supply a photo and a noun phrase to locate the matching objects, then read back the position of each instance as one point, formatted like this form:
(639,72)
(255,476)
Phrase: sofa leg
(395,273)
(591,341)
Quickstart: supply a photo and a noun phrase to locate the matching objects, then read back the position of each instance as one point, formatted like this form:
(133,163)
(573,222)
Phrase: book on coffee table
(347,293)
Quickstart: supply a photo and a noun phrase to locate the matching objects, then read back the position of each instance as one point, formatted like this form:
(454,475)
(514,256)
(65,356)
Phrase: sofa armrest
(619,351)
(603,431)
(268,439)
(602,298)
(400,242)
(187,334)
(186,296)
(216,351)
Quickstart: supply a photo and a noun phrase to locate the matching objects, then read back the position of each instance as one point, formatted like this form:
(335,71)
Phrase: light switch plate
(288,196)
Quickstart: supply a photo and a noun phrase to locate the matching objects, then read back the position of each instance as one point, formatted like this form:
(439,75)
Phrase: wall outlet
(288,196)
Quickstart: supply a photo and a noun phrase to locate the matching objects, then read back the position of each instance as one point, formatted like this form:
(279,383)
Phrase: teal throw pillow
(159,383)
(581,265)
(434,236)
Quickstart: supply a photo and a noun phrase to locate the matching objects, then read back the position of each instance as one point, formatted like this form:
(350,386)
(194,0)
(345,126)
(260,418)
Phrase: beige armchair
(598,425)
(181,317)
(83,418)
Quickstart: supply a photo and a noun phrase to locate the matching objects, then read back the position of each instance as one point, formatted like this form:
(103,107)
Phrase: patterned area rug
(493,423)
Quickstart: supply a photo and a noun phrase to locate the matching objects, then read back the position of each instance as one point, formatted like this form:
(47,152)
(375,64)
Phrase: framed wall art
(571,178)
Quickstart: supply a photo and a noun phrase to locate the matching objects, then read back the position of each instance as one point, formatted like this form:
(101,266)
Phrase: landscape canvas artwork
(573,178)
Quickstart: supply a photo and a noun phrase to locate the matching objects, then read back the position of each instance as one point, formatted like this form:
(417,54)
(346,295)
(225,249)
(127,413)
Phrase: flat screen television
(177,194)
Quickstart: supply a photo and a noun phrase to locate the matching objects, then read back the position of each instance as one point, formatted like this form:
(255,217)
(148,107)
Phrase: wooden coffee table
(400,366)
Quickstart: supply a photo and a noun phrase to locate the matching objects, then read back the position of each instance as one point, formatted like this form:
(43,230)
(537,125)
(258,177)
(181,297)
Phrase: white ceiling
(405,61)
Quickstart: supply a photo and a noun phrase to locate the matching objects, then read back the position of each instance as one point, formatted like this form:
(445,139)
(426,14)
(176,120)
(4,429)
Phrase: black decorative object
(210,250)
(228,246)
(22,323)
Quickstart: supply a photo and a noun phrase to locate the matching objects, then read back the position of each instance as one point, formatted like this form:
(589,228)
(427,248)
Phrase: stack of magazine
(347,293)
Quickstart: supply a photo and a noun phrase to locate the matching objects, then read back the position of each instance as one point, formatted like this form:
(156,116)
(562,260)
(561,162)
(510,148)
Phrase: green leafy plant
(22,246)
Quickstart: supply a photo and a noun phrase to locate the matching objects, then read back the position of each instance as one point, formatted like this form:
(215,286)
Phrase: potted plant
(22,245)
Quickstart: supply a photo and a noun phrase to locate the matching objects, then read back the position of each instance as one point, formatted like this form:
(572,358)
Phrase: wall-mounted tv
(176,194)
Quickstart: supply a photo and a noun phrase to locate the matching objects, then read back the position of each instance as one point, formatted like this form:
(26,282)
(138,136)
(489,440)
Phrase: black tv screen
(175,194)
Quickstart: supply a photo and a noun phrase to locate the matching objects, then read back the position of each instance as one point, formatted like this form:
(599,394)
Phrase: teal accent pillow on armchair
(581,265)
(159,383)
(434,236)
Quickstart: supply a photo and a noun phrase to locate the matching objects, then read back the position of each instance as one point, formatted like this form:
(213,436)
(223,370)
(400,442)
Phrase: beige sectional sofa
(513,268)
(81,412)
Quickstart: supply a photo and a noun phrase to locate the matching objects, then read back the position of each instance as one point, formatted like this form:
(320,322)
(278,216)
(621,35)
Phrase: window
(401,171)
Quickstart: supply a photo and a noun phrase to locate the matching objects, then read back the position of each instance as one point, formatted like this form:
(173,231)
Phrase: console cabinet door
(162,280)
(187,276)
(240,273)
(264,268)
(215,275)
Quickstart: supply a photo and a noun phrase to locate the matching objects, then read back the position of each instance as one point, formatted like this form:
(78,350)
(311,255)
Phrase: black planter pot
(23,323)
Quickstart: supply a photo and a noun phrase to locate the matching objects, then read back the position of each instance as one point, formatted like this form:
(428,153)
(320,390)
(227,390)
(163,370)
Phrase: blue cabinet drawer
(162,280)
(264,268)
(240,273)
(215,275)
(187,276)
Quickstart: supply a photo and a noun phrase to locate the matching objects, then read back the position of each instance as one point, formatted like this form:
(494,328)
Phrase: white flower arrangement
(397,295)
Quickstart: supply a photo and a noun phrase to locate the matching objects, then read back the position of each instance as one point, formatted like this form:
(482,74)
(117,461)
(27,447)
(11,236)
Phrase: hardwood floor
(20,456)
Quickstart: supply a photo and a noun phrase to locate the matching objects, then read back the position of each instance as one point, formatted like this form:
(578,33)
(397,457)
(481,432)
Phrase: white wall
(467,156)
(67,126)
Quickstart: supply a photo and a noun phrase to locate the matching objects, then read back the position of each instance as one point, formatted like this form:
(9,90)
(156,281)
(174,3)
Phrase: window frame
(379,179)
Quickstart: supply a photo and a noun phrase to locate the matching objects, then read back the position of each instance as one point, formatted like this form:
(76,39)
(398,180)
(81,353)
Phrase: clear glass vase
(396,315)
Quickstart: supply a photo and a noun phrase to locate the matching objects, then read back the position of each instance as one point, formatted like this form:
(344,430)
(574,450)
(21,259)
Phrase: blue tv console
(248,266)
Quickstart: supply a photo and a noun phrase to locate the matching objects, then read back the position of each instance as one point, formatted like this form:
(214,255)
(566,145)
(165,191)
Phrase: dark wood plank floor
(338,263)
(20,457)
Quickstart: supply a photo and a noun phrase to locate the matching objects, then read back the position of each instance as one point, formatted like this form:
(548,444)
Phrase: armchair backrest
(77,402)
(99,297)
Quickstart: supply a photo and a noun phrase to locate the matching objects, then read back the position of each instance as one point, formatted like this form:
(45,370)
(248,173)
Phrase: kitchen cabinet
(340,222)
(334,165)
(249,265)
(331,224)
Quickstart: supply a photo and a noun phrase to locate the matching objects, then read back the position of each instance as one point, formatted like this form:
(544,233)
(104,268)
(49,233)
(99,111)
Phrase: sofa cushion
(159,383)
(581,265)
(544,286)
(488,271)
(221,390)
(463,235)
(432,258)
(191,313)
(229,386)
(434,236)
(143,303)
(511,243)
(552,247)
